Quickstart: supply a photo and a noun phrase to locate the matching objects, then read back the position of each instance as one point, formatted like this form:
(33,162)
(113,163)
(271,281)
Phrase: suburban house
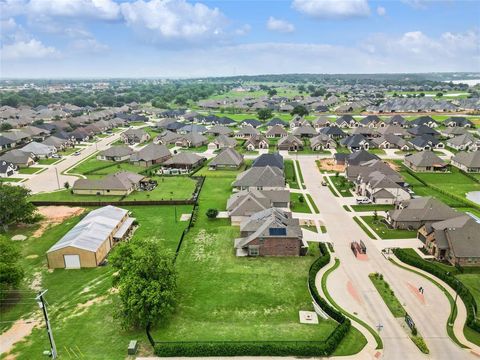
(256,142)
(245,203)
(424,121)
(246,132)
(7,168)
(250,122)
(425,161)
(321,122)
(333,132)
(346,121)
(355,143)
(464,142)
(290,143)
(192,128)
(455,240)
(182,163)
(391,141)
(191,140)
(270,232)
(426,142)
(222,142)
(150,155)
(422,130)
(220,130)
(414,213)
(276,131)
(58,142)
(394,130)
(270,159)
(451,132)
(18,158)
(276,121)
(121,183)
(458,121)
(228,158)
(397,120)
(135,136)
(467,161)
(303,131)
(354,158)
(39,150)
(88,243)
(167,137)
(260,178)
(321,142)
(115,153)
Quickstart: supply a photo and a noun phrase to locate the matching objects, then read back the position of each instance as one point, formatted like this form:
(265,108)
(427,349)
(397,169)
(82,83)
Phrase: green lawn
(10,179)
(367,231)
(48,161)
(387,295)
(342,185)
(315,208)
(372,207)
(68,151)
(299,172)
(92,330)
(95,169)
(177,188)
(223,297)
(298,206)
(290,176)
(29,170)
(376,151)
(385,232)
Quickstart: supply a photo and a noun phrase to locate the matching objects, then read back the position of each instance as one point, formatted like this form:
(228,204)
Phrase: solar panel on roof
(277,231)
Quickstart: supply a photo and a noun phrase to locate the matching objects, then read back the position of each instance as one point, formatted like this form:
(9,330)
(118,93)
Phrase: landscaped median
(396,308)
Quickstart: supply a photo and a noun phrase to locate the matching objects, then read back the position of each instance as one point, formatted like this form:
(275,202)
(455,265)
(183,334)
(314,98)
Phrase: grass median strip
(364,228)
(314,206)
(377,337)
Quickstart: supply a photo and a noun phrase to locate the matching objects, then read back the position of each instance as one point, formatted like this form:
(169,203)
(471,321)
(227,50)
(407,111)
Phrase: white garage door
(72,261)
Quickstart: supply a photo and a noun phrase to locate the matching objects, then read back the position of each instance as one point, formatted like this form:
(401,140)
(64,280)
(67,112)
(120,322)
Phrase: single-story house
(260,178)
(18,158)
(220,130)
(467,161)
(135,136)
(88,243)
(425,161)
(246,132)
(321,142)
(39,150)
(458,121)
(256,142)
(290,143)
(228,158)
(304,131)
(121,183)
(355,142)
(115,153)
(270,159)
(414,213)
(222,142)
(270,232)
(150,155)
(182,163)
(191,140)
(276,131)
(464,142)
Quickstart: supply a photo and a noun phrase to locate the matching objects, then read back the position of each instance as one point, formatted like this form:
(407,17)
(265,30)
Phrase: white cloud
(95,9)
(416,4)
(32,49)
(88,45)
(279,25)
(324,9)
(243,30)
(162,21)
(381,11)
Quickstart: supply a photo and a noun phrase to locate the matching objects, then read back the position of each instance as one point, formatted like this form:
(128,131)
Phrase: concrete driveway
(352,289)
(52,179)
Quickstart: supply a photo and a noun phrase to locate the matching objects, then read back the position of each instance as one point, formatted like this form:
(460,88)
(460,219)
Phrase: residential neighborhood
(239,180)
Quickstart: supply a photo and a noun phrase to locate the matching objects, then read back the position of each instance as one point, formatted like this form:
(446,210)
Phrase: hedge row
(470,176)
(267,348)
(448,277)
(323,260)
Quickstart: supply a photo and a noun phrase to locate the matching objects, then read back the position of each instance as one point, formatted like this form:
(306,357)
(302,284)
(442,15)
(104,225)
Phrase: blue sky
(185,38)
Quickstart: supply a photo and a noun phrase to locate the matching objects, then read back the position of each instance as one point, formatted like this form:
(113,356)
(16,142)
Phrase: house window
(253,251)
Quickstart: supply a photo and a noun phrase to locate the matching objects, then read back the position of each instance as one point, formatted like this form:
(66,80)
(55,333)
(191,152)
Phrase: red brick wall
(279,246)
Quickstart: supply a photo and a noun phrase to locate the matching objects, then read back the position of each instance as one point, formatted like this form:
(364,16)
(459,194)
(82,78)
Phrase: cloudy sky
(188,38)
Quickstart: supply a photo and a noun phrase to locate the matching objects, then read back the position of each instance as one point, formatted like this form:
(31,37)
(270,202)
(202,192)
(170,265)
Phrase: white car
(363,200)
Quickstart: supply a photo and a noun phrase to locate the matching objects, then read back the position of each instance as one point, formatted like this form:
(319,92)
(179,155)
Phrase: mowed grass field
(224,297)
(81,302)
(94,169)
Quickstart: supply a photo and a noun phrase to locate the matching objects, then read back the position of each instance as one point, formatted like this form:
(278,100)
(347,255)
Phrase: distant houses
(116,153)
(425,161)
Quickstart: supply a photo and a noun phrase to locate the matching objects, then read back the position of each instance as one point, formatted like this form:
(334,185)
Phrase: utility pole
(58,180)
(41,303)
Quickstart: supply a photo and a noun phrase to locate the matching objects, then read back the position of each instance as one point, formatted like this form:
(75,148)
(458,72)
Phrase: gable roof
(117,151)
(423,209)
(150,152)
(227,156)
(469,159)
(265,176)
(184,158)
(122,180)
(425,158)
(270,159)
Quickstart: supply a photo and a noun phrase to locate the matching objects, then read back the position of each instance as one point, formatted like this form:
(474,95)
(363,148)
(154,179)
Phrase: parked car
(76,153)
(56,156)
(363,200)
(324,183)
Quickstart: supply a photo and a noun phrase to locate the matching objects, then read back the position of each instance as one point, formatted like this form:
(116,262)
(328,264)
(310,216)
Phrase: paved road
(351,288)
(47,181)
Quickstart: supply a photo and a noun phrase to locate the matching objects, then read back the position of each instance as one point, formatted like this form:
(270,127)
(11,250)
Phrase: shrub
(212,213)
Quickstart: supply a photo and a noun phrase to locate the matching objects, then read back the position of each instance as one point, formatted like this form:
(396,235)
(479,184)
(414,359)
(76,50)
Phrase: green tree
(5,126)
(439,94)
(264,114)
(212,213)
(299,110)
(14,206)
(272,92)
(11,273)
(146,280)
